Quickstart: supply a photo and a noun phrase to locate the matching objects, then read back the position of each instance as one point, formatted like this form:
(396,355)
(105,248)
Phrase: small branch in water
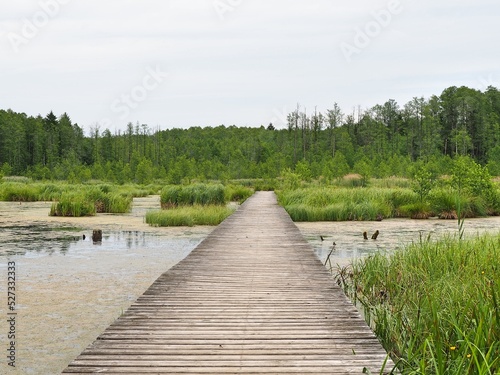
(328,257)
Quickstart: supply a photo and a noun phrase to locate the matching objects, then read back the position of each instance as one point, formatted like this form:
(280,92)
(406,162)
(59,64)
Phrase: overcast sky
(183,63)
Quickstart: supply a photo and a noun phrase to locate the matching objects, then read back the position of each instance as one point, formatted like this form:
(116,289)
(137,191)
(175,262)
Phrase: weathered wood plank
(252,298)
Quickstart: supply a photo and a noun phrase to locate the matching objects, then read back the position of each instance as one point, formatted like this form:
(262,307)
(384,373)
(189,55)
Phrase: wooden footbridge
(252,298)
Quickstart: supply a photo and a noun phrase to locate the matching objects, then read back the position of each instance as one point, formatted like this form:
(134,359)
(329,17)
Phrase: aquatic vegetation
(341,204)
(238,193)
(19,192)
(333,203)
(77,200)
(434,305)
(189,216)
(193,194)
(73,204)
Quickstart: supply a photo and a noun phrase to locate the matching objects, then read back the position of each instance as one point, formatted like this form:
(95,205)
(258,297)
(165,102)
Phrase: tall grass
(118,204)
(256,184)
(85,200)
(73,204)
(372,203)
(434,305)
(238,193)
(19,192)
(194,194)
(340,204)
(391,182)
(189,216)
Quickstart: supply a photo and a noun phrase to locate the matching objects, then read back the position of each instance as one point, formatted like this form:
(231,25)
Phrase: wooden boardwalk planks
(252,298)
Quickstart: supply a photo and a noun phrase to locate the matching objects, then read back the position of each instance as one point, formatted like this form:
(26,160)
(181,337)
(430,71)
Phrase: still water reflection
(394,233)
(69,289)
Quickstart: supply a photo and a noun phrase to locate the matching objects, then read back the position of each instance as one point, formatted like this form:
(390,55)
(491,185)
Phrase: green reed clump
(238,193)
(100,198)
(188,195)
(76,200)
(494,203)
(402,197)
(444,202)
(418,210)
(189,216)
(339,212)
(169,196)
(338,204)
(105,188)
(351,181)
(73,204)
(52,192)
(118,203)
(434,305)
(265,185)
(19,192)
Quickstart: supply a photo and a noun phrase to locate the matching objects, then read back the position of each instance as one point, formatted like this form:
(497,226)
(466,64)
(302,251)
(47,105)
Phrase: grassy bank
(203,194)
(75,199)
(334,203)
(189,216)
(435,306)
(341,204)
(89,199)
(197,204)
(28,191)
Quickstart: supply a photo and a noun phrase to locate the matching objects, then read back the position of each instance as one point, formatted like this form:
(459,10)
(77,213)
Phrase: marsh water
(393,235)
(68,289)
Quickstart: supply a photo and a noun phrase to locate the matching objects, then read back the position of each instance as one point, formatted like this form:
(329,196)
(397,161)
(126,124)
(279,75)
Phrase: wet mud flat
(68,290)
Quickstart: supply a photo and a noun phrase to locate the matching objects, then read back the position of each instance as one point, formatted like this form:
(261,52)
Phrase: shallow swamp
(68,289)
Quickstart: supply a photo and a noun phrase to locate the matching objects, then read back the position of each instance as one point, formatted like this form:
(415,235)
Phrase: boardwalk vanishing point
(252,298)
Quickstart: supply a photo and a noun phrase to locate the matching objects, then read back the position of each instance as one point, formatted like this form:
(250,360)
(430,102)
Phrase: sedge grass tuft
(189,216)
(434,305)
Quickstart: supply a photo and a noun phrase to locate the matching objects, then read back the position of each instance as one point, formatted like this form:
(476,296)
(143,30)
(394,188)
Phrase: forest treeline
(378,142)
